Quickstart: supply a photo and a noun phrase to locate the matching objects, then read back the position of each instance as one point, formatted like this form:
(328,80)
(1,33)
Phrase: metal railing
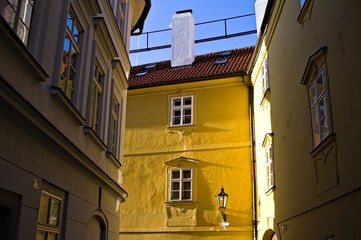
(225,34)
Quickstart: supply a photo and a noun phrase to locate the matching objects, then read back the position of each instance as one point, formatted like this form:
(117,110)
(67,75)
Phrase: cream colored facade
(317,172)
(263,138)
(60,156)
(216,146)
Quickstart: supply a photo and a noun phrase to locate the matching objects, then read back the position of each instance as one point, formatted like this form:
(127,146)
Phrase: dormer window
(221,61)
(223,57)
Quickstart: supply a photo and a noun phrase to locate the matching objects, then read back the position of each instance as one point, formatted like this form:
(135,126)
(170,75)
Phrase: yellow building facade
(175,166)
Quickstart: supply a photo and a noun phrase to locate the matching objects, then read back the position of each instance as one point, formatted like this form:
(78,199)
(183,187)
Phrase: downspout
(253,158)
(253,163)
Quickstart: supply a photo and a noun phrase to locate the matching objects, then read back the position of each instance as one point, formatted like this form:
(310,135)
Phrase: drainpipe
(253,163)
(253,157)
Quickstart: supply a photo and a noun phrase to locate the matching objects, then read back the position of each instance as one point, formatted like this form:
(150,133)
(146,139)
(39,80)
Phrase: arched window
(97,227)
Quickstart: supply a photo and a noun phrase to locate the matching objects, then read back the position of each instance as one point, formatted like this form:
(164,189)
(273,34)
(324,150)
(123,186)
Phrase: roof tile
(203,67)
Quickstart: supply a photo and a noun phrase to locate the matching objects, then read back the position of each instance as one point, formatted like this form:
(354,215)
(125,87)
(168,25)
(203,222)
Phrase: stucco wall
(219,140)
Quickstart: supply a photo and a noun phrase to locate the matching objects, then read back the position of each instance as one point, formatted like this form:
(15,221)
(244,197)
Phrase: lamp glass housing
(222,198)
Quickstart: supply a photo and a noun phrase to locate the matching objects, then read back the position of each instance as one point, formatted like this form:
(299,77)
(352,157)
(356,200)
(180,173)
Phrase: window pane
(177,102)
(41,236)
(52,236)
(313,96)
(187,174)
(175,174)
(302,2)
(186,186)
(54,212)
(176,121)
(187,101)
(187,112)
(174,196)
(316,136)
(320,85)
(70,22)
(43,210)
(8,12)
(314,117)
(325,130)
(322,109)
(187,120)
(186,195)
(176,113)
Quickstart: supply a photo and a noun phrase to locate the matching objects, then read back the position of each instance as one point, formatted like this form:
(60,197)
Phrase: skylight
(221,61)
(150,66)
(225,54)
(141,73)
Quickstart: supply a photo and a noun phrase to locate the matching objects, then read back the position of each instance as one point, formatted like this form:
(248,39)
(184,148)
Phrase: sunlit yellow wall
(219,140)
(263,126)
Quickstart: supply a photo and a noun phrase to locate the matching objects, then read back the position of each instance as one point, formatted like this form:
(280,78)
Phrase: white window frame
(18,14)
(182,117)
(269,156)
(68,68)
(96,97)
(319,107)
(270,166)
(265,76)
(181,180)
(114,126)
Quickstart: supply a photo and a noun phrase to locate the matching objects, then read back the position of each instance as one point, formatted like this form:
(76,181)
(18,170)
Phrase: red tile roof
(203,68)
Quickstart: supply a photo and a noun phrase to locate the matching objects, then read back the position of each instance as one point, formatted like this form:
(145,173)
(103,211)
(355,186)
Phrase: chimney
(260,9)
(182,38)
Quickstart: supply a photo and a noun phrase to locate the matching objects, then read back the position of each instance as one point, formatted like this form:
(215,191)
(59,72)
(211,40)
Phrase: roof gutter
(140,24)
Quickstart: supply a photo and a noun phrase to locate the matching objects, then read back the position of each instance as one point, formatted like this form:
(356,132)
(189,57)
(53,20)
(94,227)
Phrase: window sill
(111,156)
(184,128)
(322,145)
(181,203)
(13,42)
(270,190)
(58,94)
(93,135)
(266,96)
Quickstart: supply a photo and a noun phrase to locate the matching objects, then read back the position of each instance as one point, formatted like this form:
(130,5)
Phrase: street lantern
(222,199)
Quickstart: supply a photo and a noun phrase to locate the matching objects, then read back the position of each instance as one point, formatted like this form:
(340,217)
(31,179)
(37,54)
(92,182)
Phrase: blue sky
(162,11)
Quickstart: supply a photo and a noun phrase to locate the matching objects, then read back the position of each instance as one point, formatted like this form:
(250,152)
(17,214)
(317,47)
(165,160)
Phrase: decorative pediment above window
(314,64)
(306,12)
(181,162)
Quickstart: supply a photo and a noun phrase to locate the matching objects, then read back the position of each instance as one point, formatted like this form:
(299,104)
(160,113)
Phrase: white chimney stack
(182,38)
(260,9)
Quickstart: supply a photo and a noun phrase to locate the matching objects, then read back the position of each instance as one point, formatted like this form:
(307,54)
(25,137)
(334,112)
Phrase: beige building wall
(317,192)
(60,177)
(263,137)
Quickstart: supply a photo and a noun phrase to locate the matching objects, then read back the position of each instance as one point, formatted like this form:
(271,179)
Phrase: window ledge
(93,135)
(111,156)
(60,96)
(271,189)
(184,128)
(266,96)
(325,142)
(181,203)
(13,42)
